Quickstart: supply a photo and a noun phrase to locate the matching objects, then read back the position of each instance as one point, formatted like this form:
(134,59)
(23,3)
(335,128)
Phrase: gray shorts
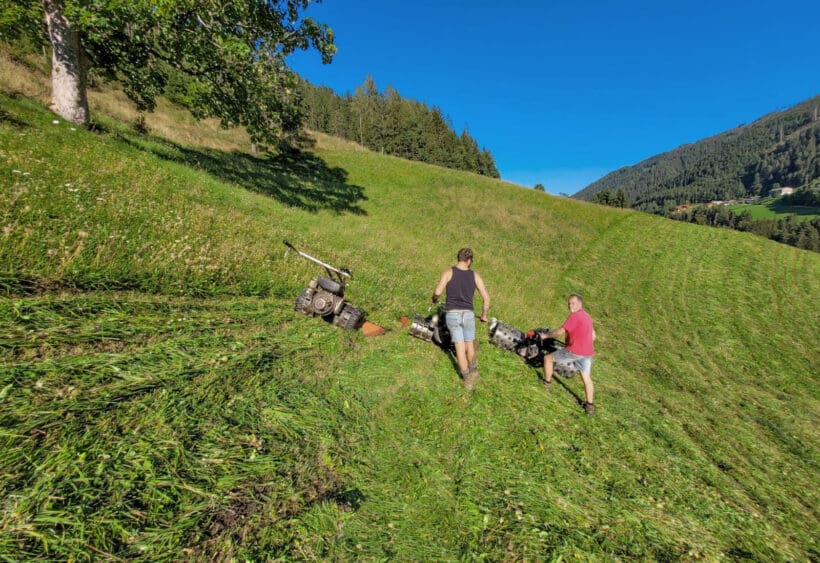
(574,361)
(461,325)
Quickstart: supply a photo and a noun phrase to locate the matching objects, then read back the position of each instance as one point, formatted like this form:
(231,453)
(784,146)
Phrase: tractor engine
(319,300)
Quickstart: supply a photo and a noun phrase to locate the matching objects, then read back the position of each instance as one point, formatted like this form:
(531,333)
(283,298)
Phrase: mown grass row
(207,435)
(698,449)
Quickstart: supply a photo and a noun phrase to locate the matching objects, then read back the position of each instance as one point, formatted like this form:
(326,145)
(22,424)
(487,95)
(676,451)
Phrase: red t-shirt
(579,333)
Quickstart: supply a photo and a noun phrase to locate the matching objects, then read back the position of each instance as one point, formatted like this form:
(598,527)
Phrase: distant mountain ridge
(779,149)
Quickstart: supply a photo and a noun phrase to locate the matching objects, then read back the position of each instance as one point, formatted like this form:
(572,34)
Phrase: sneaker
(589,408)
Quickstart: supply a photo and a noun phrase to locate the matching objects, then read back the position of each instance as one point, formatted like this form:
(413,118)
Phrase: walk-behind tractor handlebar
(341,273)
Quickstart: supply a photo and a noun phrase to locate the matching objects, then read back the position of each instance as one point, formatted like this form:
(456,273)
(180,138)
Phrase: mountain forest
(387,123)
(777,151)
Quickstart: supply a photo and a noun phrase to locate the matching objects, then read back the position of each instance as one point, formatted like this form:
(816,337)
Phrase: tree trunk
(68,71)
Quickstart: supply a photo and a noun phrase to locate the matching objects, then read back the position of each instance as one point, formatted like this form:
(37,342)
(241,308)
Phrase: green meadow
(777,210)
(161,400)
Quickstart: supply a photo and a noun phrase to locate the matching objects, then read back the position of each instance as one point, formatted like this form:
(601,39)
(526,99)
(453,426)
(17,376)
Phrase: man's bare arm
(485,297)
(555,333)
(442,284)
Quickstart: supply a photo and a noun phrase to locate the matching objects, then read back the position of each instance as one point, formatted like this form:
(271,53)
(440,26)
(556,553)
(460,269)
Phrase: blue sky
(563,92)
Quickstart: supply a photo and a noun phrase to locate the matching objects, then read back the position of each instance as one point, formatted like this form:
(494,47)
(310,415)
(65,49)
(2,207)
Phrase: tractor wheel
(350,318)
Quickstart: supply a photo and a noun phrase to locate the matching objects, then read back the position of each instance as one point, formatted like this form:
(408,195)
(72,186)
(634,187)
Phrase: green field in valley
(775,210)
(162,400)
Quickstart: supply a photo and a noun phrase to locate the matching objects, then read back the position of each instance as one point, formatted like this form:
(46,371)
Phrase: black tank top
(460,290)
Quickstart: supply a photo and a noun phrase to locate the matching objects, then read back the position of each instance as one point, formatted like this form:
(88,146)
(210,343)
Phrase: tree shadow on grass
(298,179)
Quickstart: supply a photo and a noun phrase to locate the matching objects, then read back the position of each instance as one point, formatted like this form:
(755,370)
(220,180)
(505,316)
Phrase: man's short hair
(576,296)
(465,254)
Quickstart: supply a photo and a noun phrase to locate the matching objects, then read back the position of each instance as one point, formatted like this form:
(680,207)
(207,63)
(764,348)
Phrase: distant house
(682,207)
(714,202)
(777,192)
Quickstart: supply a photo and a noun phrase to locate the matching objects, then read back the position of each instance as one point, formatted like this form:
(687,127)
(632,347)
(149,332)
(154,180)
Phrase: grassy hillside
(161,399)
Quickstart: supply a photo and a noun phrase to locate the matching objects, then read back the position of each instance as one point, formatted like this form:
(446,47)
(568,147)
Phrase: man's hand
(483,318)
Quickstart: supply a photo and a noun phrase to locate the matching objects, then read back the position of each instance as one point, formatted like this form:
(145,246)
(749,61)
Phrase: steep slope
(777,149)
(162,400)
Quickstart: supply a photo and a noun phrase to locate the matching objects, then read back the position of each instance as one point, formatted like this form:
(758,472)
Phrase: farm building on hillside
(777,192)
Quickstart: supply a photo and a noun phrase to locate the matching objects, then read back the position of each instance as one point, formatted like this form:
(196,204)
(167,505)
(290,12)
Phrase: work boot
(471,379)
(472,376)
(468,379)
(589,408)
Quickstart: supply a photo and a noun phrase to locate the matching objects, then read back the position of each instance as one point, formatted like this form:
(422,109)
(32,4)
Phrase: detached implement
(531,349)
(324,297)
(431,328)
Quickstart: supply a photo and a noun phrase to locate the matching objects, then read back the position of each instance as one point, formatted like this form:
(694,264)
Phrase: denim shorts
(580,363)
(461,325)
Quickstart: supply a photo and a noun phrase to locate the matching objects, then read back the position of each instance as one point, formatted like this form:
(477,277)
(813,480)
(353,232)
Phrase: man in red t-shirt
(579,349)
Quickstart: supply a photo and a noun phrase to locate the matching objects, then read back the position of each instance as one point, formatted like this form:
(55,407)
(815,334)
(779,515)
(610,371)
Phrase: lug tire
(350,318)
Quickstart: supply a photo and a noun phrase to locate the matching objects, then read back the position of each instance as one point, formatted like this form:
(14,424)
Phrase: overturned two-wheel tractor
(324,297)
(432,328)
(531,349)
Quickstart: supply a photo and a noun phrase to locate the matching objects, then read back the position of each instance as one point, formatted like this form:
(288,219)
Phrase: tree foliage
(606,196)
(389,123)
(230,55)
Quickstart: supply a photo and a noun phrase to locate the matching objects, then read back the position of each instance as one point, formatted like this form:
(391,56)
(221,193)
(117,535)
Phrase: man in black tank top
(461,282)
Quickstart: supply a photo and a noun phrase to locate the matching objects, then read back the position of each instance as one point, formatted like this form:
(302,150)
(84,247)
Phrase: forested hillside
(388,123)
(777,150)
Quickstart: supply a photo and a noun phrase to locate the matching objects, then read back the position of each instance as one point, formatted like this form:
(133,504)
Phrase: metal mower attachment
(324,297)
(432,328)
(531,349)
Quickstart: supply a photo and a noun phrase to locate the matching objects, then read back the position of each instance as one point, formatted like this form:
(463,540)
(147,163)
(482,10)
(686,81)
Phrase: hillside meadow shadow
(537,365)
(779,207)
(296,178)
(539,372)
